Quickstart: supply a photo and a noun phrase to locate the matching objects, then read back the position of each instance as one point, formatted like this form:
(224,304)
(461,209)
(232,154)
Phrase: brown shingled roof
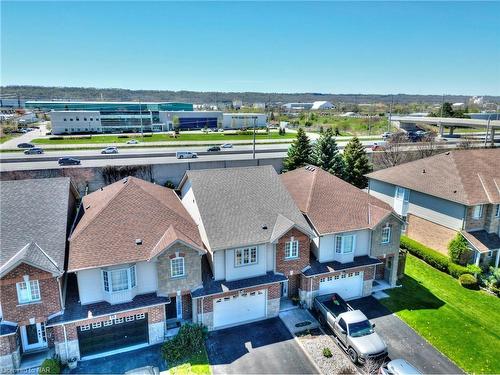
(331,204)
(122,212)
(469,177)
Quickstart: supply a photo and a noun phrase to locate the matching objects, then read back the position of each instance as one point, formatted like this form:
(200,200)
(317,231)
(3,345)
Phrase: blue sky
(328,47)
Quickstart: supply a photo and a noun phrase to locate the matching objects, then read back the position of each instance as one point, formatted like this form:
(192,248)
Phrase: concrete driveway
(264,347)
(403,341)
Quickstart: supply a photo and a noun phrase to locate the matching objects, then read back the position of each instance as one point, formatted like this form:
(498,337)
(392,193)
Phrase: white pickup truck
(352,329)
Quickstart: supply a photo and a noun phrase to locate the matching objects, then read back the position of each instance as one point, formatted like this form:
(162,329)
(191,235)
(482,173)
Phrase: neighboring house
(35,222)
(257,239)
(356,243)
(135,255)
(453,192)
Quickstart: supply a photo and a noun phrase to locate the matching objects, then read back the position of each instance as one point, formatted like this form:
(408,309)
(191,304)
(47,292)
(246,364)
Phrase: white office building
(244,120)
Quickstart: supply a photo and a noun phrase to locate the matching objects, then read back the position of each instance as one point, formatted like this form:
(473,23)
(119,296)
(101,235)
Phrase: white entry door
(347,285)
(33,336)
(239,308)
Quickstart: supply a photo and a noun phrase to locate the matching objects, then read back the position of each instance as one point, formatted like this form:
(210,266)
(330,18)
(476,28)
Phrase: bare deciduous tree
(392,153)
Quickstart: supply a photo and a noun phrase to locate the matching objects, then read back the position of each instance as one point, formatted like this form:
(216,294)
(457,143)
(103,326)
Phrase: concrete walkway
(298,320)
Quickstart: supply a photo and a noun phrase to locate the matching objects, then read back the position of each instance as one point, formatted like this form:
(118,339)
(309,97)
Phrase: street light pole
(254,121)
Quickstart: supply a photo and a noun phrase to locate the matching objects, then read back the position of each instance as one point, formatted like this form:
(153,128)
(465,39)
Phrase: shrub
(123,136)
(50,366)
(327,353)
(169,184)
(56,138)
(468,281)
(458,250)
(189,339)
(433,258)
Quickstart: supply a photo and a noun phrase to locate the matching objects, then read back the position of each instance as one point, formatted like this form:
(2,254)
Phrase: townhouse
(35,223)
(257,241)
(135,256)
(355,249)
(453,192)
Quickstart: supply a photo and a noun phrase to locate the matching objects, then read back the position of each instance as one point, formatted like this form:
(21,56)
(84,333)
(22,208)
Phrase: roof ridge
(313,183)
(81,230)
(47,255)
(459,174)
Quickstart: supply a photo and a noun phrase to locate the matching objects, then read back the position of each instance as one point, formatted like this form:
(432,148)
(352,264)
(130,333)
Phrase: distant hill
(113,94)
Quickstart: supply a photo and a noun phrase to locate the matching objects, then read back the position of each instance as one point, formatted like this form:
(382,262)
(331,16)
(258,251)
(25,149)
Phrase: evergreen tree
(356,163)
(327,155)
(299,153)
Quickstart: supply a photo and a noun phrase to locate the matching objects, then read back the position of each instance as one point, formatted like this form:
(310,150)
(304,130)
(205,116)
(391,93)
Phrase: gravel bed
(314,341)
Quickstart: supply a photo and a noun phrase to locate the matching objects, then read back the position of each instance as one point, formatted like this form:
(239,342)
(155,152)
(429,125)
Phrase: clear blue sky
(329,47)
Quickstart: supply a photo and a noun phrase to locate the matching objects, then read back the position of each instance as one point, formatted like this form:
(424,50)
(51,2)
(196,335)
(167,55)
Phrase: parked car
(386,135)
(34,150)
(133,142)
(186,155)
(213,149)
(227,145)
(69,161)
(221,130)
(352,329)
(398,367)
(25,145)
(110,150)
(420,133)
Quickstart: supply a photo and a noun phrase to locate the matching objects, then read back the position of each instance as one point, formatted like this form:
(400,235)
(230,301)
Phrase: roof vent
(102,188)
(138,241)
(454,191)
(264,227)
(423,170)
(125,180)
(87,206)
(447,153)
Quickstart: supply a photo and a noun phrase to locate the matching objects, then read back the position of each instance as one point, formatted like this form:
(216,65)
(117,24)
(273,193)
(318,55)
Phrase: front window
(245,256)
(119,280)
(292,249)
(386,234)
(344,244)
(177,267)
(477,211)
(497,212)
(28,291)
(400,192)
(360,328)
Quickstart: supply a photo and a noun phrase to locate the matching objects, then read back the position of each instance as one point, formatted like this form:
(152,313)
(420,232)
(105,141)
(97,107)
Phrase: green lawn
(196,364)
(6,137)
(222,137)
(463,324)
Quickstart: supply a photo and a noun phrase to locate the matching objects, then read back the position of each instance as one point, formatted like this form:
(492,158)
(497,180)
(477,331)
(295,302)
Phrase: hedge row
(433,258)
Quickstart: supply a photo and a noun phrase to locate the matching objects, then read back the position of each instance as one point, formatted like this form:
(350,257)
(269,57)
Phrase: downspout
(202,313)
(61,300)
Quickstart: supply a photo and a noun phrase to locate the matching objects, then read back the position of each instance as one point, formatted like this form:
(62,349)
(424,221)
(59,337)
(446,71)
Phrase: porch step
(380,295)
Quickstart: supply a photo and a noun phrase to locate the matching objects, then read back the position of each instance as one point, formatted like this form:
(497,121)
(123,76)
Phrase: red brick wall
(187,306)
(292,266)
(8,344)
(273,292)
(49,292)
(293,285)
(430,234)
(305,282)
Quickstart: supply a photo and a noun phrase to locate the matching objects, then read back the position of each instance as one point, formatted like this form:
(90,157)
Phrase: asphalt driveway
(403,341)
(264,347)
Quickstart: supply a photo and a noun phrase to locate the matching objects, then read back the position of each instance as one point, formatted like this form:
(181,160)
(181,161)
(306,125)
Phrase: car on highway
(386,135)
(186,155)
(133,142)
(398,367)
(69,161)
(378,146)
(227,145)
(221,130)
(110,150)
(25,145)
(33,151)
(213,149)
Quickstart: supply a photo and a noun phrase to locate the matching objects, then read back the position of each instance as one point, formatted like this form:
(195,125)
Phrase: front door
(388,269)
(33,336)
(284,289)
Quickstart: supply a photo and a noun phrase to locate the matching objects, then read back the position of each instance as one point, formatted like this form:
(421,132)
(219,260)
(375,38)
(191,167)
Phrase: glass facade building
(108,106)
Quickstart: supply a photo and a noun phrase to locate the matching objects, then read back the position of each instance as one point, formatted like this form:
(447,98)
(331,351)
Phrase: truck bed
(335,309)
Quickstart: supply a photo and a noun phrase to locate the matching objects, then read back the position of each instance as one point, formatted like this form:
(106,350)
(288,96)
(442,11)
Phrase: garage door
(239,308)
(110,335)
(347,285)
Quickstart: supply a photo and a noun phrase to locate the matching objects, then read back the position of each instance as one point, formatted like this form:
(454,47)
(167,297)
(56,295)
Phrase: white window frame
(32,290)
(400,192)
(249,256)
(292,249)
(175,260)
(107,279)
(340,241)
(475,213)
(386,234)
(497,212)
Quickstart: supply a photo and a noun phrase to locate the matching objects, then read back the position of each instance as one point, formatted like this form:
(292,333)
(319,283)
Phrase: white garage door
(239,308)
(348,285)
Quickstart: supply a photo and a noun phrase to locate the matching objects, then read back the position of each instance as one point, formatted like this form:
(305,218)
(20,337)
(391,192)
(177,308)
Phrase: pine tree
(327,155)
(299,153)
(356,163)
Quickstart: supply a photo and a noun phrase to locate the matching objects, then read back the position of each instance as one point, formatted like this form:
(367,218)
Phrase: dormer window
(386,234)
(118,280)
(28,291)
(177,267)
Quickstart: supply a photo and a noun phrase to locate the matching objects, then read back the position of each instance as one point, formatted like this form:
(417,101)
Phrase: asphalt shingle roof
(469,177)
(331,204)
(236,203)
(318,268)
(34,222)
(123,212)
(482,240)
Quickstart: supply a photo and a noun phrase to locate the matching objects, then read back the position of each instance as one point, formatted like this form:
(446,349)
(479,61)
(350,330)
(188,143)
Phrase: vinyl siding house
(36,216)
(355,249)
(135,256)
(453,192)
(257,242)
